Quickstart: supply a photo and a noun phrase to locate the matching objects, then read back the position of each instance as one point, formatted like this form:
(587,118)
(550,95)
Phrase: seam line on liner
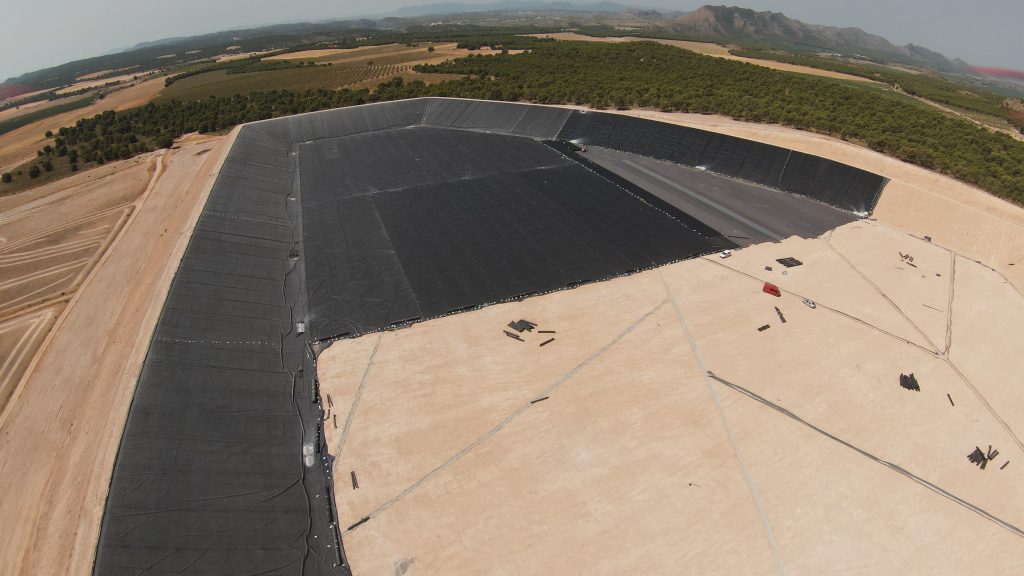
(710,203)
(829,308)
(943,355)
(508,419)
(359,394)
(751,486)
(898,469)
(880,292)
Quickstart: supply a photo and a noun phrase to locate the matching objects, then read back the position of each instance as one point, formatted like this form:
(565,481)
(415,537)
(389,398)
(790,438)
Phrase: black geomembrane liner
(833,183)
(353,220)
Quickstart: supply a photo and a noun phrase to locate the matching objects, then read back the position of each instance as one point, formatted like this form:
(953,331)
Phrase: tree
(48,166)
(33,172)
(6,178)
(430,49)
(74,167)
(49,133)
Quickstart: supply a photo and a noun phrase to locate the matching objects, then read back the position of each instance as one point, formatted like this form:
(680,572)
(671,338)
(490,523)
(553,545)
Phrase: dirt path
(1013,133)
(59,437)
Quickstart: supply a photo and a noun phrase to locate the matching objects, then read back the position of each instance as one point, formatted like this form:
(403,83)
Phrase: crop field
(352,54)
(334,77)
(26,119)
(362,67)
(386,54)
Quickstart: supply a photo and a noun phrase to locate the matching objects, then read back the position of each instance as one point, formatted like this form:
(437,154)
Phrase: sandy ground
(955,215)
(49,247)
(710,49)
(19,146)
(59,437)
(634,461)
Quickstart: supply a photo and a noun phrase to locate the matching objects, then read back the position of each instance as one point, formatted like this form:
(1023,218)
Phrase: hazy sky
(983,32)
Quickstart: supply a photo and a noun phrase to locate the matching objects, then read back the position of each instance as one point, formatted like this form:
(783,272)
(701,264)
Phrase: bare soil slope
(18,146)
(49,247)
(59,436)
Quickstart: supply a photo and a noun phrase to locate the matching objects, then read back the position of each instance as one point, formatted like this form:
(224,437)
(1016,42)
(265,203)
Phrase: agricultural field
(42,112)
(220,83)
(362,67)
(49,245)
(387,54)
(20,144)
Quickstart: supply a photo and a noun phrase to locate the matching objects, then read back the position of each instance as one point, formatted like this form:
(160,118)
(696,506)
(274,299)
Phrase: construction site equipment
(522,325)
(909,382)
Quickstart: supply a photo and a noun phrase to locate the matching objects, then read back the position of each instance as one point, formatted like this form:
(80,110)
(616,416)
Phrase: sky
(982,32)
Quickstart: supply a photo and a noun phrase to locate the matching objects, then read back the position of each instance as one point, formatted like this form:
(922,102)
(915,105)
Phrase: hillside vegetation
(639,74)
(657,76)
(36,115)
(926,85)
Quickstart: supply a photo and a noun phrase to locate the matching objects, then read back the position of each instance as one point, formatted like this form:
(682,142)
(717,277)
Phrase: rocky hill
(730,23)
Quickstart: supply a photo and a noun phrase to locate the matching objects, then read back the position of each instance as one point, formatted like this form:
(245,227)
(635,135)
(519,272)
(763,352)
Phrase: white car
(725,253)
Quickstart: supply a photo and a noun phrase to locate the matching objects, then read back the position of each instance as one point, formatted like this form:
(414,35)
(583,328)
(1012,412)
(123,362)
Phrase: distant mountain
(509,6)
(730,23)
(712,23)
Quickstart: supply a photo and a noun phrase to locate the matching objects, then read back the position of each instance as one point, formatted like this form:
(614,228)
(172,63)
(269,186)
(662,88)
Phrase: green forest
(928,85)
(627,75)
